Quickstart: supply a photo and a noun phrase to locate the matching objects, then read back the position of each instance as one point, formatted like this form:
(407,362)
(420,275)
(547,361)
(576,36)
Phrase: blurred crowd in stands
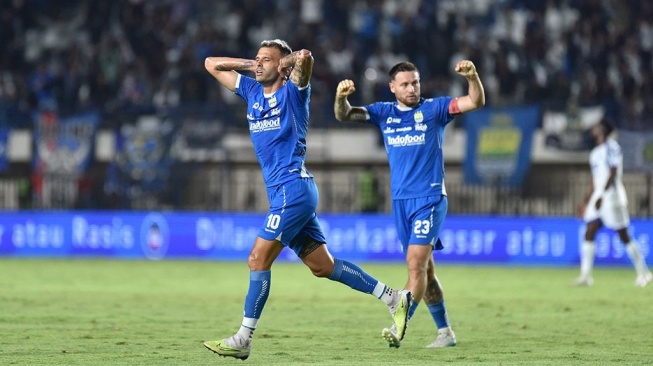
(137,56)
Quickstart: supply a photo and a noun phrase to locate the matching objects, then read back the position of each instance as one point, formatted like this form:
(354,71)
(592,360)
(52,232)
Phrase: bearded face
(406,88)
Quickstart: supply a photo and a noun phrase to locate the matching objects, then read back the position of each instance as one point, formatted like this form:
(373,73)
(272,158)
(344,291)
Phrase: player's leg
(416,284)
(434,299)
(587,251)
(616,217)
(260,262)
(308,242)
(285,216)
(418,222)
(592,217)
(315,254)
(417,261)
(644,275)
(323,264)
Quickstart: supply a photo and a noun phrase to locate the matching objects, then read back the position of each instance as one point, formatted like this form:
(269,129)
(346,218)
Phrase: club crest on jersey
(272,102)
(418,116)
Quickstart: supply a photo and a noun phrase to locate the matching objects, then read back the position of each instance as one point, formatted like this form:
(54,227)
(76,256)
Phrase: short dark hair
(279,44)
(402,66)
(608,127)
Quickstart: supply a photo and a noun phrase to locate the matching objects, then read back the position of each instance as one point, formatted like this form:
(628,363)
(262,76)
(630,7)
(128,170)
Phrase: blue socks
(439,313)
(257,295)
(412,309)
(353,276)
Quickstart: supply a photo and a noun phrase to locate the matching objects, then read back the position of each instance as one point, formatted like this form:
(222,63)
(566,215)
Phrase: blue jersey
(277,125)
(413,141)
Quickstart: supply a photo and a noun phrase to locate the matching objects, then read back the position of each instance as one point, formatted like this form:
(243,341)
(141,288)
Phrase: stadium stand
(128,59)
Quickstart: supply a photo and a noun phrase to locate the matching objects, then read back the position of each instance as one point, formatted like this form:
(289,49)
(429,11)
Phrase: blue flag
(499,145)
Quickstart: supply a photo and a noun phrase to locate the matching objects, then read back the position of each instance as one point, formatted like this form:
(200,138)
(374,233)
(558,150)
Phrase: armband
(453,106)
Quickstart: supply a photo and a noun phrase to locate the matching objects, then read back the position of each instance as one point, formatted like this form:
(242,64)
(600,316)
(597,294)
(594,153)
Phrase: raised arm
(224,69)
(343,110)
(475,97)
(301,63)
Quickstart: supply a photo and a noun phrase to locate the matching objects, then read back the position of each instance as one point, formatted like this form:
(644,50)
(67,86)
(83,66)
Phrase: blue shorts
(419,220)
(292,219)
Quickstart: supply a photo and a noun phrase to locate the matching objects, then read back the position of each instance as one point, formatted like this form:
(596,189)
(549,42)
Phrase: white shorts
(613,215)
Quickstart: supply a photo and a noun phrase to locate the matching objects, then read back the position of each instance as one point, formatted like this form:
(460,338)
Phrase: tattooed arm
(301,63)
(224,69)
(343,110)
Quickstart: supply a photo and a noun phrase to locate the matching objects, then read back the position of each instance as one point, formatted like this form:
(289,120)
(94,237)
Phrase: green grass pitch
(101,312)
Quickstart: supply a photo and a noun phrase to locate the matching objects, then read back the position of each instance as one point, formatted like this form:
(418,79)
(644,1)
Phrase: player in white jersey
(606,204)
(413,131)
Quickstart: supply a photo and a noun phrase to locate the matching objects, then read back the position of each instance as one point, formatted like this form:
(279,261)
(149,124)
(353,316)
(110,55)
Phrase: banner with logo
(4,148)
(360,238)
(63,150)
(142,162)
(64,145)
(499,145)
(637,148)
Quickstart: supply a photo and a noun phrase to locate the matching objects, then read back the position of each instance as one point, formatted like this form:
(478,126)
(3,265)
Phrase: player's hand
(466,68)
(285,71)
(345,88)
(289,61)
(303,54)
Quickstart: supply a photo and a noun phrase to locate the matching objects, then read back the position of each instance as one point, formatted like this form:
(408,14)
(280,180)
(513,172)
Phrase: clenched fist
(345,88)
(466,68)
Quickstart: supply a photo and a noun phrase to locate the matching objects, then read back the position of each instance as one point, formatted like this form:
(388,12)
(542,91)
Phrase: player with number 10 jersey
(277,125)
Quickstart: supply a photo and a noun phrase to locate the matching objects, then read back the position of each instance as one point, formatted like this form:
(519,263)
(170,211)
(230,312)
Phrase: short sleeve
(374,113)
(244,86)
(441,109)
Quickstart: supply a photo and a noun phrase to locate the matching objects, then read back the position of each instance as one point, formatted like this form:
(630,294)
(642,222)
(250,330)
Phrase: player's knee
(252,263)
(417,267)
(321,272)
(256,263)
(416,274)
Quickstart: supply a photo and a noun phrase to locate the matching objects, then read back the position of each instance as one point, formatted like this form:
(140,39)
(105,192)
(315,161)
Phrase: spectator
(529,52)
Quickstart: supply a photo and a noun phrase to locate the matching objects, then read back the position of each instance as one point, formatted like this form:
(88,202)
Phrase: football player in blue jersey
(413,130)
(277,115)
